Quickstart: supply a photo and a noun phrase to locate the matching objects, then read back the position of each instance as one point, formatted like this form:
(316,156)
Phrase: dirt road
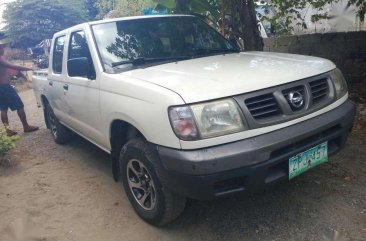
(67,192)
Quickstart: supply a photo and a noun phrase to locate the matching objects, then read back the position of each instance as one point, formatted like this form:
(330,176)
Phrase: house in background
(43,48)
(45,45)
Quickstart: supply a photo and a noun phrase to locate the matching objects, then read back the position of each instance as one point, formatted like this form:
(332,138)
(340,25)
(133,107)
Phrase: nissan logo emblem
(296,99)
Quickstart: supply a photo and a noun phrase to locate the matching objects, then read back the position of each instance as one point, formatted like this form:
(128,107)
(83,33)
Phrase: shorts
(9,99)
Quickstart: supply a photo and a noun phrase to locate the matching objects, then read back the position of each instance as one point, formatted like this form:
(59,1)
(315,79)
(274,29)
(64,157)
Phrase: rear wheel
(60,133)
(151,200)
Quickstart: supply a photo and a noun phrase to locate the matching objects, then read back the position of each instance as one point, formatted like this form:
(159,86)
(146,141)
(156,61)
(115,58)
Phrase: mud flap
(115,167)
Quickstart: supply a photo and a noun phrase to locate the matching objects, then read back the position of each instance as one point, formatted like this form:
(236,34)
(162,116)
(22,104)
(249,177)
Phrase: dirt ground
(52,192)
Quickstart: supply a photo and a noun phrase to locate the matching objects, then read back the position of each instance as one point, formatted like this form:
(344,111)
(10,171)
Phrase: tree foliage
(91,8)
(87,8)
(104,7)
(210,8)
(235,18)
(30,21)
(125,8)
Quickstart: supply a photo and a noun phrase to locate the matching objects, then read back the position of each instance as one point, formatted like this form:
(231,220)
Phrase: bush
(6,142)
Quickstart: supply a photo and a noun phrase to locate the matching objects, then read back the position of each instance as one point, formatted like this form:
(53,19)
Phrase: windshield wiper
(213,51)
(144,60)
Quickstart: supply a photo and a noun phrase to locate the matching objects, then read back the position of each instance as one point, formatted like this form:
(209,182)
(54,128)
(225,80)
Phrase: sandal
(31,129)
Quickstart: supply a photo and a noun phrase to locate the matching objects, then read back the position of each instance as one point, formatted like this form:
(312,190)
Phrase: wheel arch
(45,102)
(120,132)
(123,131)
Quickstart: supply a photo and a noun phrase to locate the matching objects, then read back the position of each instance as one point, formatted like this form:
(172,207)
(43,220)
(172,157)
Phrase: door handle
(66,87)
(50,82)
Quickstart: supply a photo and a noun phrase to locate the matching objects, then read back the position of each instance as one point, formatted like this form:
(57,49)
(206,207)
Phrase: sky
(2,8)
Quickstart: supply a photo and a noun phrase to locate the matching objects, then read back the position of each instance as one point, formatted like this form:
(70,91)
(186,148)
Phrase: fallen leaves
(359,128)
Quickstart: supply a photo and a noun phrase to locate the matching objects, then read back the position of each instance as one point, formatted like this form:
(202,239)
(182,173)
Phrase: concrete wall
(346,50)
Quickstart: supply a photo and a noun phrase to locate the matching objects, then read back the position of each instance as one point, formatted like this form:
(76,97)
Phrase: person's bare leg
(23,119)
(4,117)
(5,120)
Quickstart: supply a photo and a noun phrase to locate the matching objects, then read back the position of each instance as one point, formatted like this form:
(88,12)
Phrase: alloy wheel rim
(141,184)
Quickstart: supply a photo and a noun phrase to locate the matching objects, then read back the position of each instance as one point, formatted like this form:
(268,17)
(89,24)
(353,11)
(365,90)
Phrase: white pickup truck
(184,113)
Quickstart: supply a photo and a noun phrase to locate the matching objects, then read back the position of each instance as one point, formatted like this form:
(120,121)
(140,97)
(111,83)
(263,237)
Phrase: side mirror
(79,67)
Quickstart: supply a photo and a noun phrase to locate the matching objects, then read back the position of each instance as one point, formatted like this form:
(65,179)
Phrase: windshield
(128,43)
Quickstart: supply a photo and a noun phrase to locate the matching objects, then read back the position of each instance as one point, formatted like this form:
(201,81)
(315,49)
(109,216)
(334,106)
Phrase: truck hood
(220,76)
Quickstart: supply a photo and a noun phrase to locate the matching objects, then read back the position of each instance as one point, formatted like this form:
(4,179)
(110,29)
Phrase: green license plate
(308,159)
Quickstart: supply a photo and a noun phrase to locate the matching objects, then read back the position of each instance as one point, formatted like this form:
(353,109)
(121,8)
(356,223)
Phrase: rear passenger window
(58,52)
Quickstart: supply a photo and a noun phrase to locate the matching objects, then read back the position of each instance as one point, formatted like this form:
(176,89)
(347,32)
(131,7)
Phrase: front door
(81,93)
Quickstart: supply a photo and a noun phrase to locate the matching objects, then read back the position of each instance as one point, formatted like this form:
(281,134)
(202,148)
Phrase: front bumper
(250,164)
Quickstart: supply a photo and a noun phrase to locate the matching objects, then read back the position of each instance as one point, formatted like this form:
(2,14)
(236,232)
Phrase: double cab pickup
(185,114)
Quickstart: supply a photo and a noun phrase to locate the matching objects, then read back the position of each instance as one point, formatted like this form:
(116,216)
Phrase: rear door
(55,77)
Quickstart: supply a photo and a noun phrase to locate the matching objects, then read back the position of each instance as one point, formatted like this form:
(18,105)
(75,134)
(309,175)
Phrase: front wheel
(60,133)
(151,200)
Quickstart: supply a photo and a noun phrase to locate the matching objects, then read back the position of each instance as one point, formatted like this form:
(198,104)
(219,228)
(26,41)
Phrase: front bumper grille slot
(303,143)
(263,106)
(319,90)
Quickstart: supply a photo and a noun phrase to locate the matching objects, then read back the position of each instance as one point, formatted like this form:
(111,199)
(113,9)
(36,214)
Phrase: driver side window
(78,49)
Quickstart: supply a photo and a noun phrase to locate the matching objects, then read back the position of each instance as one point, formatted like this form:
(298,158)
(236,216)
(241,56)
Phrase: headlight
(207,120)
(339,83)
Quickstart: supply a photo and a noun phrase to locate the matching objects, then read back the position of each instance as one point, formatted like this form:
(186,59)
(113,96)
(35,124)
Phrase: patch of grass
(6,142)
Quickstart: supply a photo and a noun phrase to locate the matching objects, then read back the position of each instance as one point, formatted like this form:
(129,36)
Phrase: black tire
(60,133)
(165,205)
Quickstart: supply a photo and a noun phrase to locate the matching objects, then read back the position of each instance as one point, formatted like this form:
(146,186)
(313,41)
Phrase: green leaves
(103,7)
(31,21)
(167,3)
(234,18)
(124,8)
(6,142)
(188,6)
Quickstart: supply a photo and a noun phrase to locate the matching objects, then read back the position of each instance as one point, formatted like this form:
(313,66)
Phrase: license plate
(308,159)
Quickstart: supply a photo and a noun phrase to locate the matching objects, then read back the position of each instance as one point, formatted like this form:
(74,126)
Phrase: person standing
(9,99)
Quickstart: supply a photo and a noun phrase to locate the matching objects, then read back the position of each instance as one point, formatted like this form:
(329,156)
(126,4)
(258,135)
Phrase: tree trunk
(182,6)
(244,23)
(243,11)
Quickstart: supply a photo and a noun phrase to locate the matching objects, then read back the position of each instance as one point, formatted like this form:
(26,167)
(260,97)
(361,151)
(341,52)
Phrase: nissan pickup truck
(184,114)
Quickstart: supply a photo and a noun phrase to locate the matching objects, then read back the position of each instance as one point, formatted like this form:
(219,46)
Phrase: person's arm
(6,64)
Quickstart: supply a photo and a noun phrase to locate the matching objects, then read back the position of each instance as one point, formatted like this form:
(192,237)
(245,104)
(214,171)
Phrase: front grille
(300,89)
(319,90)
(263,106)
(286,102)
